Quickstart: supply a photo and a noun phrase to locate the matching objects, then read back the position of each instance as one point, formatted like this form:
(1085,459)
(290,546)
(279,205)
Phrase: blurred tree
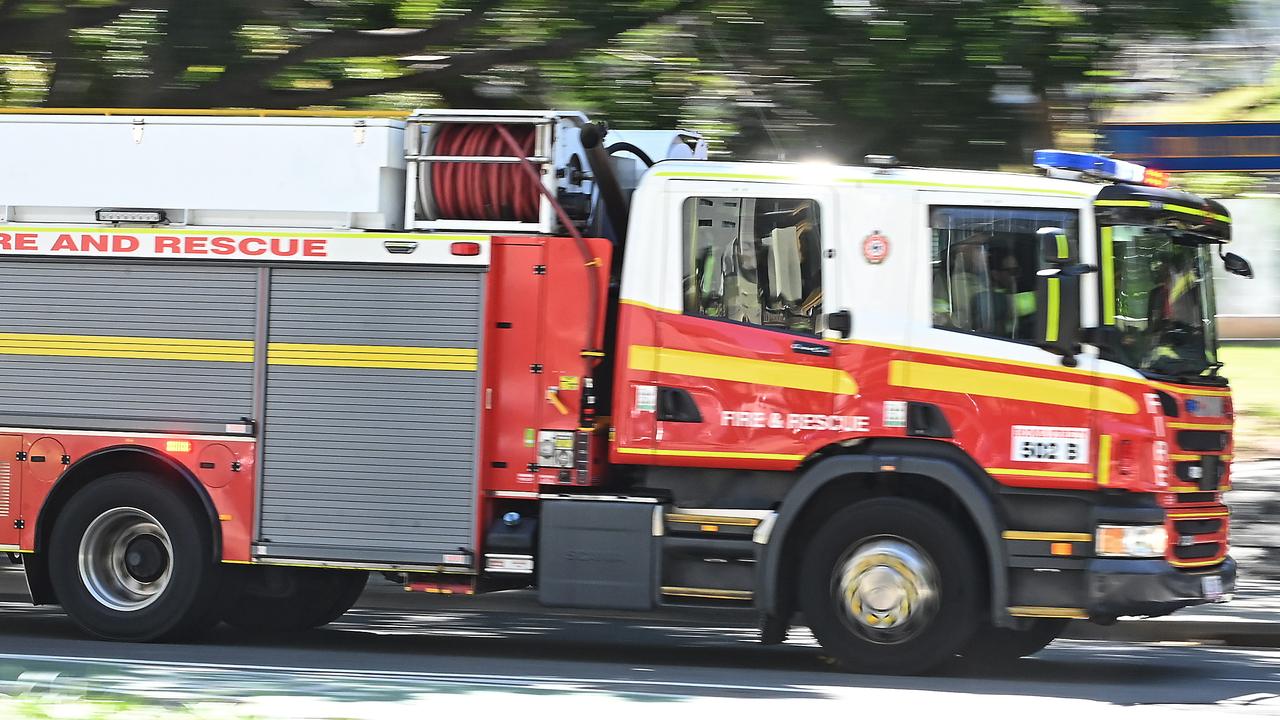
(946,81)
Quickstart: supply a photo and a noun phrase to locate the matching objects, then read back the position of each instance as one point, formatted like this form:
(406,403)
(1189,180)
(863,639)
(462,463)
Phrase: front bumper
(1119,586)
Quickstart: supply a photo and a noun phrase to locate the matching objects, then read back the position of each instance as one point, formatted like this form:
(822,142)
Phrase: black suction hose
(621,146)
(615,205)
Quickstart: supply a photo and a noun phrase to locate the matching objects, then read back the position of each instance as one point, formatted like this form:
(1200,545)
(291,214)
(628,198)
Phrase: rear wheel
(890,586)
(285,599)
(996,646)
(131,558)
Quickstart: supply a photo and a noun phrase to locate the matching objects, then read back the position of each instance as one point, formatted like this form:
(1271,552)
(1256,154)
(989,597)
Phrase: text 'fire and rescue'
(168,244)
(795,421)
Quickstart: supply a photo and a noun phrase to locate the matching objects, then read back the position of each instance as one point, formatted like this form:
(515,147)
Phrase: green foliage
(951,81)
(1251,369)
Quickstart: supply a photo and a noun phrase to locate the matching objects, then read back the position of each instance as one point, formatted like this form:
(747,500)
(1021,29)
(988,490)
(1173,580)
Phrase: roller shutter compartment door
(131,342)
(371,414)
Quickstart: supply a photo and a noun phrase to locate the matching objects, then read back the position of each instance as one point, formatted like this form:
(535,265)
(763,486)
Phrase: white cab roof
(838,175)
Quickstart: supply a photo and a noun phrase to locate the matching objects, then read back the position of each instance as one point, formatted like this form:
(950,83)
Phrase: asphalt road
(429,656)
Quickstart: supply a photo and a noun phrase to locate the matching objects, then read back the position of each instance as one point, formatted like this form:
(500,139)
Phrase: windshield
(1159,295)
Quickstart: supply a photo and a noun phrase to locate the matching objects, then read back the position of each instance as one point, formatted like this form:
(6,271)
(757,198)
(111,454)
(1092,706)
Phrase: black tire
(992,646)
(350,588)
(904,546)
(286,599)
(172,588)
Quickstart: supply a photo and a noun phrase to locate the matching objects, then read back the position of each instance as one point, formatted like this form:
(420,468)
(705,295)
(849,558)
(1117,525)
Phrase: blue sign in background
(1187,147)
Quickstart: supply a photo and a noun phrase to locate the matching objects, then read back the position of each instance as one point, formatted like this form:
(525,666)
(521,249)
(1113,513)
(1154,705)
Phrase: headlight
(1132,540)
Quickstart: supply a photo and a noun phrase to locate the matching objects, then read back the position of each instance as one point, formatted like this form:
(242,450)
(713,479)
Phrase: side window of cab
(985,261)
(756,261)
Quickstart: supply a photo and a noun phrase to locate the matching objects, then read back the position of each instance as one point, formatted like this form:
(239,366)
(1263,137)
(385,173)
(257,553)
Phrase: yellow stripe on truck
(1106,237)
(1008,386)
(372,356)
(1104,459)
(1062,474)
(710,454)
(238,351)
(736,369)
(123,347)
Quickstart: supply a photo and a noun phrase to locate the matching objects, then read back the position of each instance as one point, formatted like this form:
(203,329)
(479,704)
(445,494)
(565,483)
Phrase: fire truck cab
(923,412)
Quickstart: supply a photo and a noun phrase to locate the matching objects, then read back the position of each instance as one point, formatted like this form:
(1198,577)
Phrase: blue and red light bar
(1100,166)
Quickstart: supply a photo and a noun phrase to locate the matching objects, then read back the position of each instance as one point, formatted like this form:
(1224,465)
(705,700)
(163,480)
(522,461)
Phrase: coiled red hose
(483,191)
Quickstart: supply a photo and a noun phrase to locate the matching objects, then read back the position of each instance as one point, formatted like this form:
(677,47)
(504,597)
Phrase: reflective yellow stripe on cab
(739,369)
(1009,386)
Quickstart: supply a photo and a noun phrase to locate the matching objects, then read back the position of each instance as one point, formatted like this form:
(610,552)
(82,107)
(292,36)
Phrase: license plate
(1034,443)
(1211,587)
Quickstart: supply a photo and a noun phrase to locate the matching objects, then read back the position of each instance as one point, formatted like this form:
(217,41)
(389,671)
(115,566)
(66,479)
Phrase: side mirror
(1058,295)
(1055,247)
(1058,310)
(1237,265)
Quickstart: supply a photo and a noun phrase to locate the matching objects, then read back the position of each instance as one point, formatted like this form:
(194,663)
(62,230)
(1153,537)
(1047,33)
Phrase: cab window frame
(1073,226)
(807,261)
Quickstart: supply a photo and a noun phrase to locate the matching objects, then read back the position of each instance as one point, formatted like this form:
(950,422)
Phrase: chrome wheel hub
(126,559)
(887,589)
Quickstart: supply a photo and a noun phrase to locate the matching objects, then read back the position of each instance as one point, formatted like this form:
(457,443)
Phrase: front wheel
(131,558)
(891,586)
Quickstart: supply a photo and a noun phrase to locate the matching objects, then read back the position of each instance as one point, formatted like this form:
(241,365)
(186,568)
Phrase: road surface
(432,657)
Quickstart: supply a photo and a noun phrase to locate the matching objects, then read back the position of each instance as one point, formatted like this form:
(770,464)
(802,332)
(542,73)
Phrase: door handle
(811,348)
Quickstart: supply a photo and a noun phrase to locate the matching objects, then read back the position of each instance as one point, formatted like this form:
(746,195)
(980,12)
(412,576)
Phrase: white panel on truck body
(256,171)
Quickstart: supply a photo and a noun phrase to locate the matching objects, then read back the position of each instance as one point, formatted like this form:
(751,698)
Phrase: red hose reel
(483,190)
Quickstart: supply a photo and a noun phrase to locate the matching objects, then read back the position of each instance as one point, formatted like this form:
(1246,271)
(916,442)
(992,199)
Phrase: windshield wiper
(1182,378)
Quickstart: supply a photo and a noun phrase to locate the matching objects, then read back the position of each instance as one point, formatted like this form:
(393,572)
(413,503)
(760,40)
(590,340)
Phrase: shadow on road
(397,656)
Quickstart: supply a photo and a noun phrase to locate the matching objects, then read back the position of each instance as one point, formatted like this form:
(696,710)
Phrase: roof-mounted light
(130,215)
(1099,166)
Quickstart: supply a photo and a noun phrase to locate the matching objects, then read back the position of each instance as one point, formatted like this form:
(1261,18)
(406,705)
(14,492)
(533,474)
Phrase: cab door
(10,488)
(1016,407)
(742,374)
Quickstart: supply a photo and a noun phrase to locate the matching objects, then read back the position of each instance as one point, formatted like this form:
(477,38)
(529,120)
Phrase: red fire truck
(249,358)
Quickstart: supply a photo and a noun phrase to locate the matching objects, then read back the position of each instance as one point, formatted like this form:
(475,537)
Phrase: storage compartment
(253,171)
(371,415)
(598,554)
(125,345)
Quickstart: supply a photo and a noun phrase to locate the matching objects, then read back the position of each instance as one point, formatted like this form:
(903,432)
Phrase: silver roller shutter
(361,462)
(116,341)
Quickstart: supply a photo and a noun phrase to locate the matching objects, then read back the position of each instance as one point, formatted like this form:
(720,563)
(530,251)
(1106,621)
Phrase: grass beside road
(1254,371)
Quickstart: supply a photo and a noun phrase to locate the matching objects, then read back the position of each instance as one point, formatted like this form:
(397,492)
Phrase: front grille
(1197,537)
(1193,471)
(1197,527)
(1203,440)
(1195,498)
(1195,552)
